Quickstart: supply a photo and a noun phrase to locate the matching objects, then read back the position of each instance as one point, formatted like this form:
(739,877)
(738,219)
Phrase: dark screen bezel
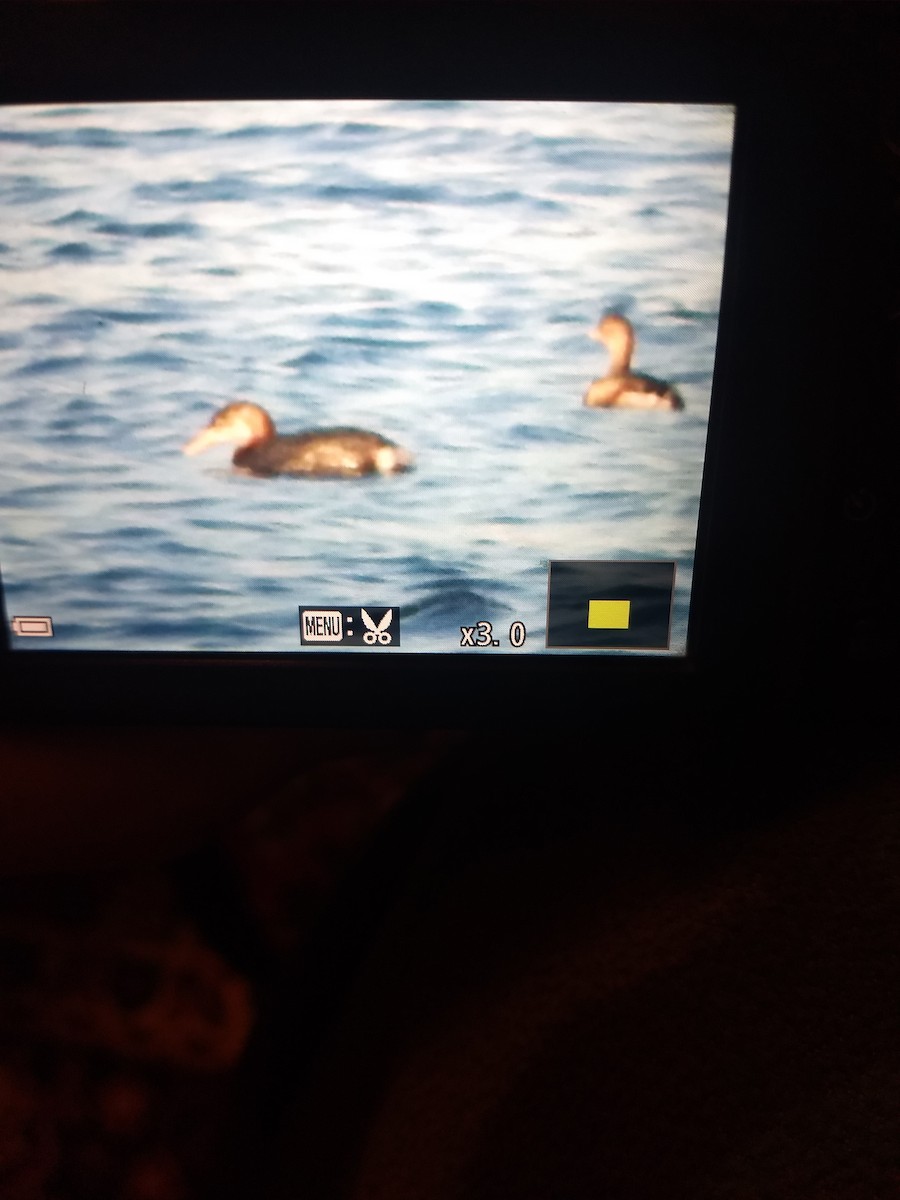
(765,493)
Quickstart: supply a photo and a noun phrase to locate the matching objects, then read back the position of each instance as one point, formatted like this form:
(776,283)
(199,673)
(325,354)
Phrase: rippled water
(428,271)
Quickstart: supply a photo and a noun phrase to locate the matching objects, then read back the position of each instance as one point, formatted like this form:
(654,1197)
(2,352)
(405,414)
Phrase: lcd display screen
(365,376)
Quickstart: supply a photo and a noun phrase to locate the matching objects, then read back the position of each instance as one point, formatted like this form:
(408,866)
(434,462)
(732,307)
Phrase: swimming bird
(620,387)
(326,453)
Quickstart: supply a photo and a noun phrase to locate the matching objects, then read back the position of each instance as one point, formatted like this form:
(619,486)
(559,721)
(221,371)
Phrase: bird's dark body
(326,453)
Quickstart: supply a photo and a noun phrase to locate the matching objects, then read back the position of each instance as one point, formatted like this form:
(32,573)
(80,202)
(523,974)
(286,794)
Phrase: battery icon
(32,626)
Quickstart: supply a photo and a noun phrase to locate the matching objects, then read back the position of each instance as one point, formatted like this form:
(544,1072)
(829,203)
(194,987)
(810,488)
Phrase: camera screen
(372,376)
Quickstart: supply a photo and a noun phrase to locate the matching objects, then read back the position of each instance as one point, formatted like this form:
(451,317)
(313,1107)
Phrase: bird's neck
(619,357)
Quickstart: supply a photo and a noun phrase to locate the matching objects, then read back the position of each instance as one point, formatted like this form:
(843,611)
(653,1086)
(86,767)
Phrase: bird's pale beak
(201,441)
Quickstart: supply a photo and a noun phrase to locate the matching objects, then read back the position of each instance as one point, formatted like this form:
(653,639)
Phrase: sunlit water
(428,271)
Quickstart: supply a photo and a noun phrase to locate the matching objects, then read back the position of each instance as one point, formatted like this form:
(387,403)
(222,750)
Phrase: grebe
(328,453)
(620,387)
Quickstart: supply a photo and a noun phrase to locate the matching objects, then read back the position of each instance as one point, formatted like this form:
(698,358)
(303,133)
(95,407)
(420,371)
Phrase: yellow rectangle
(609,614)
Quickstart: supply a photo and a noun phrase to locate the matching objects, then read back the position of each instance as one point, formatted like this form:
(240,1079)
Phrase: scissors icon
(377,632)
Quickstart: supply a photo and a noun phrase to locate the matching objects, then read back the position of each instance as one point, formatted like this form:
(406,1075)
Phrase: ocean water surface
(427,271)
